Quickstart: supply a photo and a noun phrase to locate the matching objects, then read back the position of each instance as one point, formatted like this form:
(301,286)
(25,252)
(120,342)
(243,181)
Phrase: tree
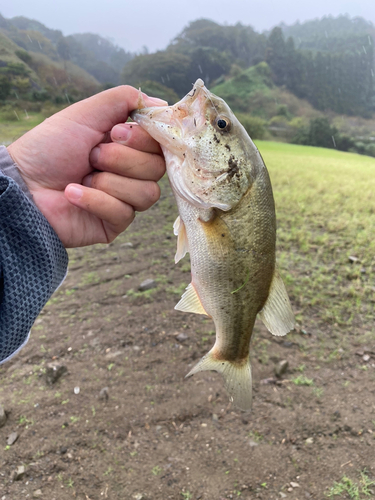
(5,87)
(276,56)
(319,133)
(169,68)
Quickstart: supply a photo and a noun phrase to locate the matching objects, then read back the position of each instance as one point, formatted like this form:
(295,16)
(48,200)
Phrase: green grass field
(325,203)
(16,121)
(20,123)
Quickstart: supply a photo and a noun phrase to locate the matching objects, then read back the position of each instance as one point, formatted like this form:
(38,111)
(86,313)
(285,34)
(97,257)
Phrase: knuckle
(152,192)
(101,181)
(159,167)
(124,218)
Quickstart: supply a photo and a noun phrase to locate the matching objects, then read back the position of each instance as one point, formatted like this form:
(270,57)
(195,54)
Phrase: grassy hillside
(38,74)
(96,55)
(252,91)
(326,213)
(269,111)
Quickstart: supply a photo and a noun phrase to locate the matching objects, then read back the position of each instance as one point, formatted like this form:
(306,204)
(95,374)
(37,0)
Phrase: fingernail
(87,180)
(157,101)
(94,156)
(121,132)
(75,193)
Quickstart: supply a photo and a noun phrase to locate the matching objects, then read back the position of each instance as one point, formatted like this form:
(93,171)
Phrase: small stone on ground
(3,416)
(54,372)
(147,285)
(103,394)
(12,438)
(281,368)
(181,337)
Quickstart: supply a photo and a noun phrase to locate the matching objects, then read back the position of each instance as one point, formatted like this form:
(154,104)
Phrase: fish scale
(227,223)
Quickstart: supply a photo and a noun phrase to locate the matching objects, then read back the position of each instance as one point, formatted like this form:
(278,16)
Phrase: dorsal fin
(182,242)
(190,302)
(277,314)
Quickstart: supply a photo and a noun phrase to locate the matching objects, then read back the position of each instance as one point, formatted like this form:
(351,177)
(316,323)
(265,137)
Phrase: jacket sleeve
(33,261)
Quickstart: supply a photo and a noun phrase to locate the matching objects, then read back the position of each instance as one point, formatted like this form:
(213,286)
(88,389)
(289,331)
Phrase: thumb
(108,108)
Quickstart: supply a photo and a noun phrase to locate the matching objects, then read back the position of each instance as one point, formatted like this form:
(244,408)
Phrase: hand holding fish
(88,174)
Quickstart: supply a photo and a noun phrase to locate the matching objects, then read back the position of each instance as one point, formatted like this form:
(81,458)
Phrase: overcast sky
(154,23)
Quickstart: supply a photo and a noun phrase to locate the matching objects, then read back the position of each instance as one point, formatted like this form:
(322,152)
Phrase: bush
(319,133)
(370,149)
(40,96)
(5,87)
(279,121)
(282,110)
(156,89)
(8,113)
(24,56)
(344,142)
(253,125)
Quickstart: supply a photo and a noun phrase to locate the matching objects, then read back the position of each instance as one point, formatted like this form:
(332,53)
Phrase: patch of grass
(108,471)
(302,380)
(326,213)
(156,470)
(186,495)
(147,294)
(70,483)
(177,290)
(256,436)
(15,122)
(318,392)
(24,420)
(90,278)
(354,490)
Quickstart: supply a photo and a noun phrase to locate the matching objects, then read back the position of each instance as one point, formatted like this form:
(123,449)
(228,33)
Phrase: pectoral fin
(190,302)
(182,242)
(277,314)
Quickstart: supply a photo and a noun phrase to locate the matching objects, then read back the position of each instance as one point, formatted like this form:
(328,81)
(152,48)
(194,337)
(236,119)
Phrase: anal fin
(190,302)
(277,314)
(182,241)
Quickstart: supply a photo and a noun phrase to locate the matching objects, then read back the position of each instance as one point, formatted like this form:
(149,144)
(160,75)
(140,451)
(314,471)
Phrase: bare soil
(152,434)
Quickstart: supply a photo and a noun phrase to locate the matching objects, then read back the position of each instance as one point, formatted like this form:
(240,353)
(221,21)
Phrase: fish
(227,223)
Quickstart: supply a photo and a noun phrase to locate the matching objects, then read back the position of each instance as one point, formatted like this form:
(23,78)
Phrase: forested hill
(337,73)
(329,33)
(328,62)
(39,63)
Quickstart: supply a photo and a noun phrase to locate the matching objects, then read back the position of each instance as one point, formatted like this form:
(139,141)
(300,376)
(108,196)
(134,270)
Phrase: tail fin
(237,378)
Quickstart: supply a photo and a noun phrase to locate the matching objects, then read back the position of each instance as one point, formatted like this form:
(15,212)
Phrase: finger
(115,214)
(140,194)
(132,135)
(114,104)
(126,161)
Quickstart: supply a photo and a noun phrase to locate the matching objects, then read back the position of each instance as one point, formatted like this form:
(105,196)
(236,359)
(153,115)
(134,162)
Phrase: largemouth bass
(227,223)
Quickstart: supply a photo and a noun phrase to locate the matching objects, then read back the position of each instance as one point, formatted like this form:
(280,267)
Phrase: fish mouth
(169,125)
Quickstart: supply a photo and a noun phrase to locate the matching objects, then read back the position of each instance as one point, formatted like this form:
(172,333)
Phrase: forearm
(33,261)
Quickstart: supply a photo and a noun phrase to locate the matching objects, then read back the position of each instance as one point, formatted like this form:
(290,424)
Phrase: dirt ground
(124,423)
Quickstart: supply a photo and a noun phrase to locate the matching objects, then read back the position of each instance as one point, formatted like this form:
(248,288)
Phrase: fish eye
(223,123)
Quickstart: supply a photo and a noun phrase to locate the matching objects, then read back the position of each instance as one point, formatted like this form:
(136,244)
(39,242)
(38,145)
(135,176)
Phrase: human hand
(88,170)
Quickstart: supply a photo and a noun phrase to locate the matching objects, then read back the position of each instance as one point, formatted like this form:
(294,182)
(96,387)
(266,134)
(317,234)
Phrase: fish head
(205,147)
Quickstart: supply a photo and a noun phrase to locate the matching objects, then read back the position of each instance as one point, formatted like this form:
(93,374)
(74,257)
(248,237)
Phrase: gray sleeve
(33,261)
(10,169)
